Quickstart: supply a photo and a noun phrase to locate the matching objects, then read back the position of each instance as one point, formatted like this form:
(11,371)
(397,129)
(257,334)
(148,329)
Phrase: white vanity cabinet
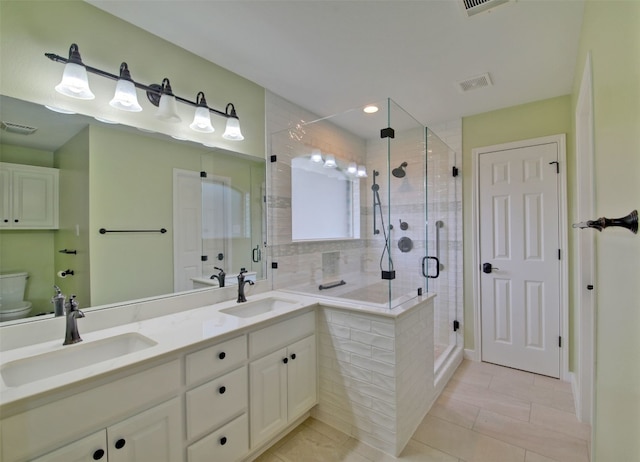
(216,411)
(283,382)
(29,197)
(151,435)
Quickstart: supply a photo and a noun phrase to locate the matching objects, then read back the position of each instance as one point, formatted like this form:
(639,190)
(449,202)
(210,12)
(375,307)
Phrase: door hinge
(203,174)
(274,158)
(204,258)
(456,325)
(557,166)
(387,133)
(560,342)
(559,254)
(454,172)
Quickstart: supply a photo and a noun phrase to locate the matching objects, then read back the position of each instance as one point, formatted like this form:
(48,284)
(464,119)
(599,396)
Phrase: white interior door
(519,256)
(187,228)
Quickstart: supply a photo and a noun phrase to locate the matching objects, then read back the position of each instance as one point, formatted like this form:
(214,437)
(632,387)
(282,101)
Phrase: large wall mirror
(116,178)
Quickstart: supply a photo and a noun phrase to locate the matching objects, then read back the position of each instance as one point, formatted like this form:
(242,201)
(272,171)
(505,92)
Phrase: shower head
(399,172)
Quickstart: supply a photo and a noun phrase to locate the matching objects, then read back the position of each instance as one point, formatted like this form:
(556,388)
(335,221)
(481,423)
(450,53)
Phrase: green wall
(28,29)
(533,120)
(73,161)
(611,33)
(131,187)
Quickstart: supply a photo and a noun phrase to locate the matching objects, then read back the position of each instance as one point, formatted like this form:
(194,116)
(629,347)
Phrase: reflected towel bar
(105,231)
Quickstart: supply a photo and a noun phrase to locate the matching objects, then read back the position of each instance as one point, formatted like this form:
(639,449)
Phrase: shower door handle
(256,255)
(424,267)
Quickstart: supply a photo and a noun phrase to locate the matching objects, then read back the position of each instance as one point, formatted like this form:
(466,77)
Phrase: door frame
(584,314)
(560,140)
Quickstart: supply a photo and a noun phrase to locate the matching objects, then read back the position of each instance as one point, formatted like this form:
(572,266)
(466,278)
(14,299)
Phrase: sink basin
(258,307)
(72,357)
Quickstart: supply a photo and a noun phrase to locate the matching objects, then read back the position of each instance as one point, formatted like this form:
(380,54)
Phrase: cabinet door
(301,379)
(34,199)
(88,449)
(268,396)
(153,435)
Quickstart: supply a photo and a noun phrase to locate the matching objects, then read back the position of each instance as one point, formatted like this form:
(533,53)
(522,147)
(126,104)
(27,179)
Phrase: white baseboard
(471,355)
(575,388)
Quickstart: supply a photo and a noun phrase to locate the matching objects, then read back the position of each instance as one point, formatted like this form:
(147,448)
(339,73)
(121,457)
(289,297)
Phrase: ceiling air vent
(17,128)
(473,83)
(473,7)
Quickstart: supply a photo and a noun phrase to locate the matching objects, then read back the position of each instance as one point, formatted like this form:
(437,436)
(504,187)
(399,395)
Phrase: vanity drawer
(281,334)
(229,443)
(215,402)
(216,359)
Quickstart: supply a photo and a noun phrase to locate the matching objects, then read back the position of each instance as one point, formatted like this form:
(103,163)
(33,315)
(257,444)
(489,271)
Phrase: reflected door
(187,229)
(519,235)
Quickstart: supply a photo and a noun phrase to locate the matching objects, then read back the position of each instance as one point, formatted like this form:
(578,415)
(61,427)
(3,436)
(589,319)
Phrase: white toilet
(12,303)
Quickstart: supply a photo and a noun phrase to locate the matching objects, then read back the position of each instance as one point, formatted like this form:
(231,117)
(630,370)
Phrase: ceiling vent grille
(473,7)
(17,128)
(473,83)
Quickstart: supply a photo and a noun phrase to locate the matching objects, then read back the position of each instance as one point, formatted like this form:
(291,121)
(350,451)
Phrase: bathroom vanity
(224,379)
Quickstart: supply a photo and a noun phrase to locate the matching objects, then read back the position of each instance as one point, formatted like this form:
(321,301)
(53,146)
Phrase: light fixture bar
(154,91)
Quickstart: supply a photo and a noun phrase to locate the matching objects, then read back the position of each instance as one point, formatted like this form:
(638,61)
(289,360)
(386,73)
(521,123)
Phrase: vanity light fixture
(316,156)
(125,97)
(201,119)
(362,171)
(330,161)
(75,82)
(232,131)
(76,85)
(352,169)
(167,107)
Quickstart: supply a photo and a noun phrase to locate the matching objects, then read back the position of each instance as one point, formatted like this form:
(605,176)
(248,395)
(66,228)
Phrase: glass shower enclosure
(350,203)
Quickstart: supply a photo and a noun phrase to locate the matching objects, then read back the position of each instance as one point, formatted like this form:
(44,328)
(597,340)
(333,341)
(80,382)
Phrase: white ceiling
(331,56)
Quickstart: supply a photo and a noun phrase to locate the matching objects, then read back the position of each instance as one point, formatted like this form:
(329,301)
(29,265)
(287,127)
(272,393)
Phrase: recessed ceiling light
(370,109)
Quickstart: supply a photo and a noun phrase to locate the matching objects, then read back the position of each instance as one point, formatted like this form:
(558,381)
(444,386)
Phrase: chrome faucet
(220,276)
(241,283)
(73,313)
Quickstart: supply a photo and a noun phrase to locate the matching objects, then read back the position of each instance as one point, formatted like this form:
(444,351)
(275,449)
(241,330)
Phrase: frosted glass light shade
(168,109)
(75,82)
(232,132)
(125,97)
(202,121)
(330,161)
(362,171)
(316,156)
(352,169)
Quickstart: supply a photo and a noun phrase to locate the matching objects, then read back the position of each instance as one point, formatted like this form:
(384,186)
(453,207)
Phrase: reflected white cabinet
(29,197)
(282,387)
(155,434)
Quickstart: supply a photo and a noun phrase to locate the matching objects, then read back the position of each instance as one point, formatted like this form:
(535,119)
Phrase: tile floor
(486,413)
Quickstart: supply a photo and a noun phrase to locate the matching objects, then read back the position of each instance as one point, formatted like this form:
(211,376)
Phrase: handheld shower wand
(390,273)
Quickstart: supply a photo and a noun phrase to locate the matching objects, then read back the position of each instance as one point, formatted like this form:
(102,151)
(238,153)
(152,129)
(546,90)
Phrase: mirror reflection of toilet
(12,290)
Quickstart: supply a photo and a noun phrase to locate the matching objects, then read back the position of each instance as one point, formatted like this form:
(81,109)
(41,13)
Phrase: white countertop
(172,333)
